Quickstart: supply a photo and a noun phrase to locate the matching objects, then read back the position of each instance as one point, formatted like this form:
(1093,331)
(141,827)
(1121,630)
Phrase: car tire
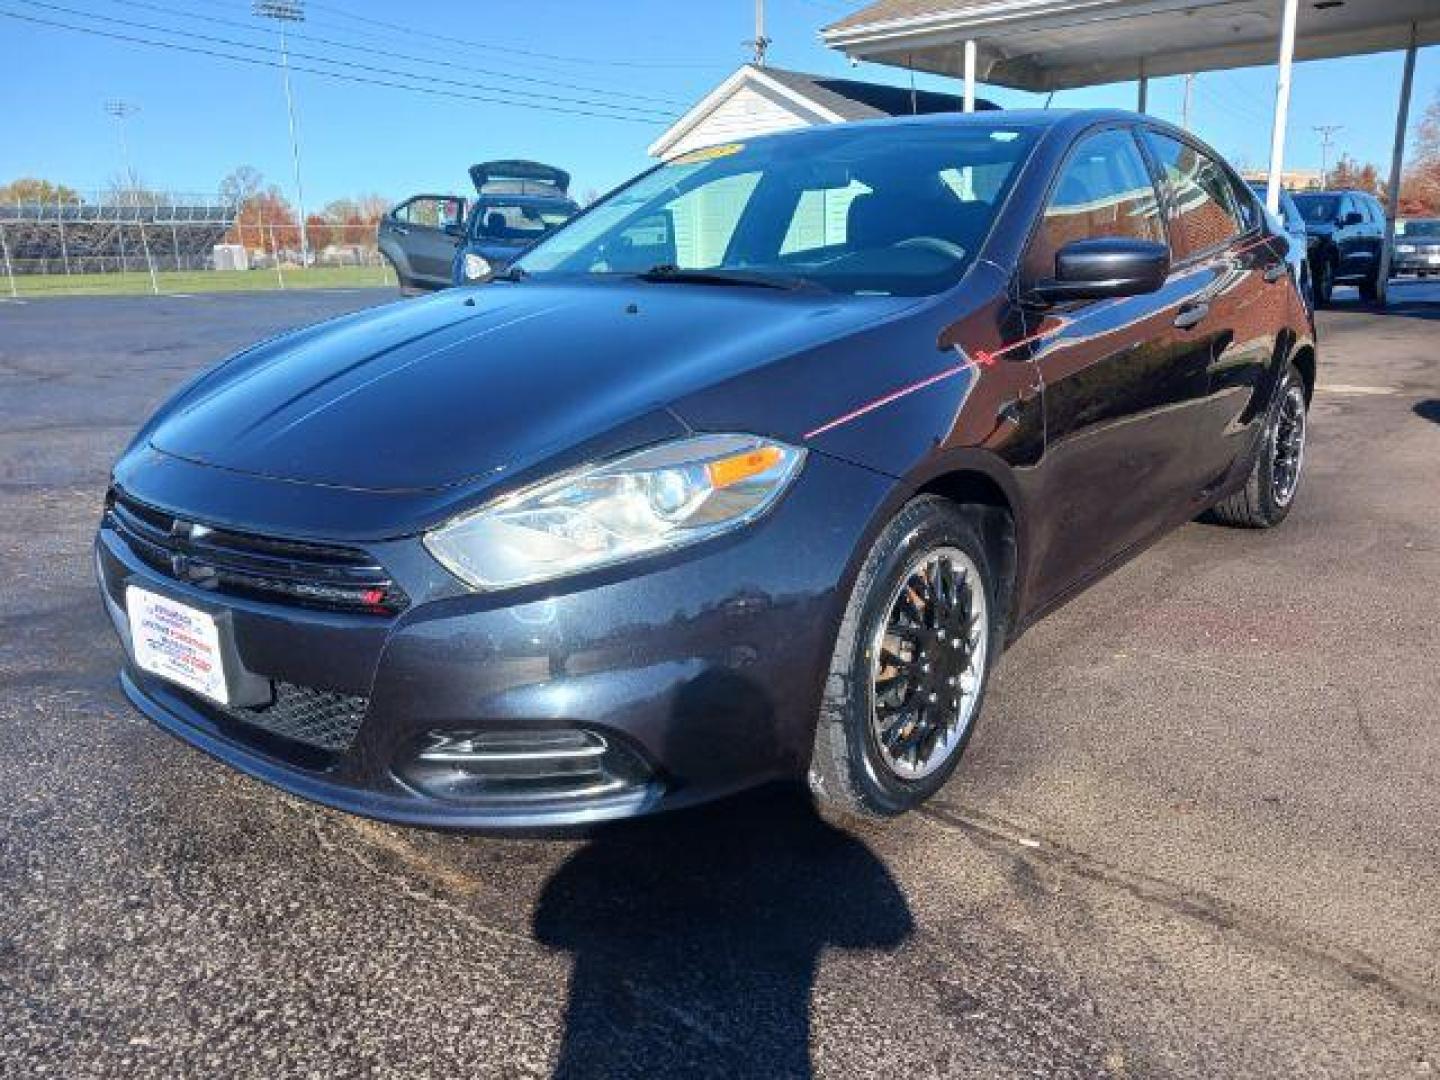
(1370,288)
(875,711)
(1324,282)
(1269,491)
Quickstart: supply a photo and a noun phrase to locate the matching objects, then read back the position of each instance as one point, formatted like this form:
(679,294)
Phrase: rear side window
(1104,189)
(431,211)
(1202,202)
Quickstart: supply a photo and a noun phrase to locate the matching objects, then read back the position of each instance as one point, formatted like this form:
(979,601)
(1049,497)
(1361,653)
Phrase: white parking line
(1343,388)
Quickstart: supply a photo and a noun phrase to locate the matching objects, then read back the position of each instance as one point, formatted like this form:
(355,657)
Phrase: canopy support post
(1282,106)
(970,75)
(1397,164)
(1142,89)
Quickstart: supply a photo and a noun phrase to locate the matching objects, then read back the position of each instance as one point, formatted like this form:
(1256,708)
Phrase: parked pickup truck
(433,241)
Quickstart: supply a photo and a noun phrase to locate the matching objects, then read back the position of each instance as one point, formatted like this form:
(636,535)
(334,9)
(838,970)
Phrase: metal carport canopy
(1062,44)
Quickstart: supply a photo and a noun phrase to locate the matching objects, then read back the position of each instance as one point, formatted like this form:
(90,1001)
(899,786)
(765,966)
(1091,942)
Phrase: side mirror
(455,229)
(1354,217)
(1105,267)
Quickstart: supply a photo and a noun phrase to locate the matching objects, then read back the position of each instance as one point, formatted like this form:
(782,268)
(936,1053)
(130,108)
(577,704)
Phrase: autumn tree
(265,221)
(322,231)
(31,189)
(1420,191)
(1349,175)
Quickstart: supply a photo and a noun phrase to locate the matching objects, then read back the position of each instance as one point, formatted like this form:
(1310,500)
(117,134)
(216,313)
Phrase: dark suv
(750,472)
(1347,234)
(432,241)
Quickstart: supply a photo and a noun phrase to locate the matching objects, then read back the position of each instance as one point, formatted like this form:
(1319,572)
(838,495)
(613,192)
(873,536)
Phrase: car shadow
(1429,409)
(696,937)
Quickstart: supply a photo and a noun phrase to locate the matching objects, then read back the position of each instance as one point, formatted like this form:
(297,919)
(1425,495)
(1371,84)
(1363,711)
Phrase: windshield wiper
(513,272)
(669,272)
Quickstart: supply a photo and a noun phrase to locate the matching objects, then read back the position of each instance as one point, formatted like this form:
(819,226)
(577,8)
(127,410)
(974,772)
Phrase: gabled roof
(819,98)
(852,99)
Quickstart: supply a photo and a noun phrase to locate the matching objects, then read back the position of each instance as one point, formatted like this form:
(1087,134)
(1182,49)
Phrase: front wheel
(911,663)
(1269,490)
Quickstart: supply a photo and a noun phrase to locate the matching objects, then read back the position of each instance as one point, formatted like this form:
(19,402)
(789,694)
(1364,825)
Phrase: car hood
(481,384)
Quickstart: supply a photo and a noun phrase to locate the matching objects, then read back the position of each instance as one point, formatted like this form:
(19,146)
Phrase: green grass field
(199,281)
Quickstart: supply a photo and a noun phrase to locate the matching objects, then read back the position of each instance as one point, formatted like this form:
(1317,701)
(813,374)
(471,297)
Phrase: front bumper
(702,670)
(1415,263)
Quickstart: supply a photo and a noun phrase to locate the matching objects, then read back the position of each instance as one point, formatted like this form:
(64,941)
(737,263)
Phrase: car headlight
(1405,249)
(475,267)
(656,500)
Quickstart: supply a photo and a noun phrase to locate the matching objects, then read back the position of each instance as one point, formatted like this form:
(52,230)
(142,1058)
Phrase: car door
(420,236)
(1119,375)
(1222,241)
(1352,240)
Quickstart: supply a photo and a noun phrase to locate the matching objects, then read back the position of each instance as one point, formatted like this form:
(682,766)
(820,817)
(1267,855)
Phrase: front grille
(321,719)
(293,571)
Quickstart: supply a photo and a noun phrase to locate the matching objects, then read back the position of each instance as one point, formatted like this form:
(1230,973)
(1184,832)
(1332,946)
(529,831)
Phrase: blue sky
(200,116)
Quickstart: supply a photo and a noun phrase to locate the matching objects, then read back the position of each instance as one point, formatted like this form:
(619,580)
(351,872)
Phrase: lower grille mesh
(319,718)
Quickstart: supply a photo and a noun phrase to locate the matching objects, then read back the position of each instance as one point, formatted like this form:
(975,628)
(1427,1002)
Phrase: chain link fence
(124,242)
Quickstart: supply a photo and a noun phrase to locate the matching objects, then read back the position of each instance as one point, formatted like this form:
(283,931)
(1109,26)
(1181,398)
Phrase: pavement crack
(1191,903)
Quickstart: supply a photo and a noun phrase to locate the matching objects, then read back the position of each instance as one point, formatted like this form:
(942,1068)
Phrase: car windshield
(524,220)
(878,209)
(1418,228)
(1318,208)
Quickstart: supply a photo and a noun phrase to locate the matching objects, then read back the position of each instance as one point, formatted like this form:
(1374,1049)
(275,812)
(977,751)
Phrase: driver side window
(1104,189)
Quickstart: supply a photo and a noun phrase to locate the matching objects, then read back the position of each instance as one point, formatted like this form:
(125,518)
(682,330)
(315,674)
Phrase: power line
(393,55)
(339,76)
(516,51)
(637,112)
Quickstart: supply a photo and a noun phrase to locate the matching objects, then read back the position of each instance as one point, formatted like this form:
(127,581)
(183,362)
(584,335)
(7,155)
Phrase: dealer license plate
(176,642)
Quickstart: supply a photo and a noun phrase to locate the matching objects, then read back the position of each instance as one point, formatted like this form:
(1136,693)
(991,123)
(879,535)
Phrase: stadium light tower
(121,110)
(288,11)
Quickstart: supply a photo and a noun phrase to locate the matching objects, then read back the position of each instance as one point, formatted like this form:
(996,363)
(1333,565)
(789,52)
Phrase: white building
(756,100)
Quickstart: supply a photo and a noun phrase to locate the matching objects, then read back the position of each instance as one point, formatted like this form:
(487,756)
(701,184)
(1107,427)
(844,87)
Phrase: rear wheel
(1269,490)
(911,663)
(1370,287)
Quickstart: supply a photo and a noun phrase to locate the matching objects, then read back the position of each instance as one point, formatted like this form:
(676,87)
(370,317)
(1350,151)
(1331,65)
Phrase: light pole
(120,110)
(287,11)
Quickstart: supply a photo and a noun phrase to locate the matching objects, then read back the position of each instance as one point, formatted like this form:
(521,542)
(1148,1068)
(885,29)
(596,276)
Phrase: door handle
(1274,272)
(1191,315)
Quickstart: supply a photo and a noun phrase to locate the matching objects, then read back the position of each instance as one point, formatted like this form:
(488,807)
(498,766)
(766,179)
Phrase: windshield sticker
(709,153)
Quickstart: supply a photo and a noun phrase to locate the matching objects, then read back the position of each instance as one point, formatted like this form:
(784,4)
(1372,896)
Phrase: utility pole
(1327,139)
(760,42)
(283,11)
(1185,109)
(120,110)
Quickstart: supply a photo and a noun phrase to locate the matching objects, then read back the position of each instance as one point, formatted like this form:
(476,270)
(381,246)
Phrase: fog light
(521,765)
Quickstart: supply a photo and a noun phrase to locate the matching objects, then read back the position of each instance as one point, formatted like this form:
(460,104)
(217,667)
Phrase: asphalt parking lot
(1197,833)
